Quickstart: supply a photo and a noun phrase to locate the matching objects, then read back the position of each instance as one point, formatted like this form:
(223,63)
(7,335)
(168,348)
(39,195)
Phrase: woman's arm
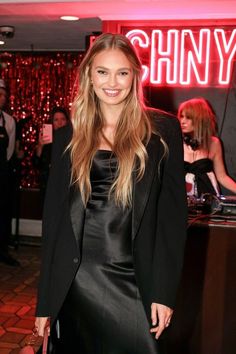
(219,167)
(43,140)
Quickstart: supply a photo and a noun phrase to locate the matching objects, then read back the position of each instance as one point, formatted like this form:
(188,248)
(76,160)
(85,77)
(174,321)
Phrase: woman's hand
(161,316)
(40,324)
(44,138)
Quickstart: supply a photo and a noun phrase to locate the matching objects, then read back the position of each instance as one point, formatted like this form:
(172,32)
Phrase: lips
(111,93)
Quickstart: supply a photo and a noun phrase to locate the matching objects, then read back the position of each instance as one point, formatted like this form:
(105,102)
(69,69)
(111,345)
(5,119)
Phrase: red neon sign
(202,57)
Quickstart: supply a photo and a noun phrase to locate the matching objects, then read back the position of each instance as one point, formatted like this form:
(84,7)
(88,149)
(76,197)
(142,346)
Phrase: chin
(186,131)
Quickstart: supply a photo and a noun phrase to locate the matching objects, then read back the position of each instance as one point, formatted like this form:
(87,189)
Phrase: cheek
(190,124)
(128,83)
(97,80)
(62,120)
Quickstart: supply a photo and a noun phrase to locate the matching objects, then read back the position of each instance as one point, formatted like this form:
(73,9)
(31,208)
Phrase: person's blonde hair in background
(132,131)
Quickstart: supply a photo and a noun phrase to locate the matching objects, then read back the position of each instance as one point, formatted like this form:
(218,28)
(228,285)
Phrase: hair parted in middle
(133,129)
(203,118)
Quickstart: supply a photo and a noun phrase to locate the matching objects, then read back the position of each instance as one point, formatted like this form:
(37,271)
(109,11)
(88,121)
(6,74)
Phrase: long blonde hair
(203,118)
(133,129)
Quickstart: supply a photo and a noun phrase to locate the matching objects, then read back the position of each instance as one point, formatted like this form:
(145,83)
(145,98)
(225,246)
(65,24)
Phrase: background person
(115,213)
(43,151)
(7,145)
(203,157)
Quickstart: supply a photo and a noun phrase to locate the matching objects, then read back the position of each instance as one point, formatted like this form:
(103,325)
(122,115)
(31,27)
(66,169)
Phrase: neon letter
(226,53)
(142,38)
(195,57)
(164,63)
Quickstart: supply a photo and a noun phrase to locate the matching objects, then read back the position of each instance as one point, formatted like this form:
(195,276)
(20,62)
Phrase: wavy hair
(203,118)
(133,129)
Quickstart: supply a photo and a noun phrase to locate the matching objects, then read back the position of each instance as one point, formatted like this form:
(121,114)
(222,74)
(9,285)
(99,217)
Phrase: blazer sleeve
(171,219)
(54,196)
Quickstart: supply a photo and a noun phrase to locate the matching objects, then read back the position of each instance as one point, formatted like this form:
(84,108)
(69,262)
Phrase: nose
(182,119)
(112,80)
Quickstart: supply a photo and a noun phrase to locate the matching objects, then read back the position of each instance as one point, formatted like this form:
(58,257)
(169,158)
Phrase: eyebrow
(104,68)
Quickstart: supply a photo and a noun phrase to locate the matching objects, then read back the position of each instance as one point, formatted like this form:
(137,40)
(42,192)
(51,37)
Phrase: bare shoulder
(215,142)
(215,147)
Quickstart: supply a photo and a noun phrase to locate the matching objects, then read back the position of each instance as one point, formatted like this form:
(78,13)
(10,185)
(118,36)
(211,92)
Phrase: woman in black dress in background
(115,213)
(203,158)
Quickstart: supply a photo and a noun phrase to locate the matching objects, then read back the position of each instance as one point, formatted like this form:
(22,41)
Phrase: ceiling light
(69,18)
(2,42)
(7,31)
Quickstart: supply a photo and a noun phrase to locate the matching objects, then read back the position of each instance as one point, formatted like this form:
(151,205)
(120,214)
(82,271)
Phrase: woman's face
(59,120)
(186,123)
(112,77)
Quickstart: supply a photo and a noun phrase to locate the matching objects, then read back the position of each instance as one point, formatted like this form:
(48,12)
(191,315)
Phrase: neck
(111,114)
(188,134)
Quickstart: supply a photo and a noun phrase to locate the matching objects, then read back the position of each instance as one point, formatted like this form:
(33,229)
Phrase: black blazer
(159,217)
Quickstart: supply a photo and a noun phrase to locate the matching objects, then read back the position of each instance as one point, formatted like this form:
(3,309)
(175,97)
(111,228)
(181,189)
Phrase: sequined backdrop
(37,82)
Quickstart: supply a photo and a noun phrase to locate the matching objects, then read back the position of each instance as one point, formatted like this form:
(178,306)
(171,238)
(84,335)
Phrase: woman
(204,166)
(115,213)
(43,151)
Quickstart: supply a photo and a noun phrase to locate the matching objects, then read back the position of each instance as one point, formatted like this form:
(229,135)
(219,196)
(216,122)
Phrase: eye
(124,73)
(101,72)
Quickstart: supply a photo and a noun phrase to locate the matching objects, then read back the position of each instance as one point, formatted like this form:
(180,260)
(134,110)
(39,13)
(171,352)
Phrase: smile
(111,93)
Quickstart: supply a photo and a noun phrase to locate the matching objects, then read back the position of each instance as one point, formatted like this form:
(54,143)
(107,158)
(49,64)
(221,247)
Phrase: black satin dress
(103,312)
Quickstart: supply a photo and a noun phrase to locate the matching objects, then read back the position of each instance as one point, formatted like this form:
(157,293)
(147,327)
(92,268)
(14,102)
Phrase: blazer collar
(141,190)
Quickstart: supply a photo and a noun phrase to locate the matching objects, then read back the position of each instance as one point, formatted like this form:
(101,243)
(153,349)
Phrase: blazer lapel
(77,213)
(141,189)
